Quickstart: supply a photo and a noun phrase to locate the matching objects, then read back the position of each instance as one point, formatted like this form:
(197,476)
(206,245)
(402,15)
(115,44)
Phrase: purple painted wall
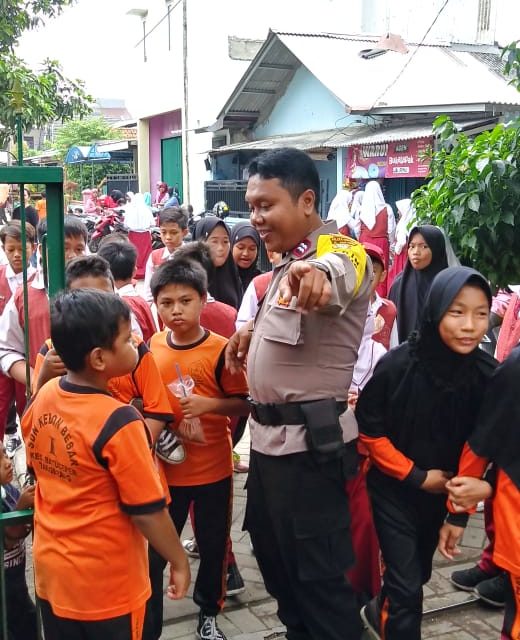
(161,127)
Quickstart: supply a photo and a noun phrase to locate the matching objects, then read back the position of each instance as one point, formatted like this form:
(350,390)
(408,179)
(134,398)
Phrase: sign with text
(408,158)
(402,159)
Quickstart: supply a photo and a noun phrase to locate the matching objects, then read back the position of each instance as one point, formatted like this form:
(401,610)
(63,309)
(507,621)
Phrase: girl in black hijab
(245,245)
(426,257)
(414,417)
(225,286)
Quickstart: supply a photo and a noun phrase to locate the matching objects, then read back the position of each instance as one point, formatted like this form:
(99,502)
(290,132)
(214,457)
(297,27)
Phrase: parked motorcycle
(111,221)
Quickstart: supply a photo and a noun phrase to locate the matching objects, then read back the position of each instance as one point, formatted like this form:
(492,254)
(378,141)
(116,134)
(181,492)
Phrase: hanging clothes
(411,287)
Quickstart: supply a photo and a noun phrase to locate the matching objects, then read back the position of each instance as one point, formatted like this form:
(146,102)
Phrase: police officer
(300,357)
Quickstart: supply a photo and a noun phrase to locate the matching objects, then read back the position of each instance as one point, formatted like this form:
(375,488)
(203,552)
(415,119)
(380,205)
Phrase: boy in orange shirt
(97,486)
(185,349)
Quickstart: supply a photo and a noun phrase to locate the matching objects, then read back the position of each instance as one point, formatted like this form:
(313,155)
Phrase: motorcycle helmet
(221,210)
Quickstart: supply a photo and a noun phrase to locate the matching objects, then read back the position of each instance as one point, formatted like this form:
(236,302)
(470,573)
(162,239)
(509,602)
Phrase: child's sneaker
(169,447)
(207,628)
(191,547)
(234,581)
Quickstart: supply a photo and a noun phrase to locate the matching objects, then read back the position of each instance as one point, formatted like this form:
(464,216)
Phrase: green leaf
(474,202)
(498,167)
(482,164)
(508,218)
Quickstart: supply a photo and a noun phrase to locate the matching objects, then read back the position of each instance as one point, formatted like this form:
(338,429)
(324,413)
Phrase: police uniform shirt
(297,357)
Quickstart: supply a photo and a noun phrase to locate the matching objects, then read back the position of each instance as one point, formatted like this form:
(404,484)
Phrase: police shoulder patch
(337,243)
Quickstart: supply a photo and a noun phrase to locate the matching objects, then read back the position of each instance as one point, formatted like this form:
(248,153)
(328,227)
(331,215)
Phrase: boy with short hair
(121,255)
(96,481)
(12,351)
(143,386)
(185,348)
(11,277)
(21,612)
(173,225)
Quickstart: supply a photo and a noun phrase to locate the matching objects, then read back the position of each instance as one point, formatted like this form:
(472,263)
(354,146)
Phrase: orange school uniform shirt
(204,362)
(94,469)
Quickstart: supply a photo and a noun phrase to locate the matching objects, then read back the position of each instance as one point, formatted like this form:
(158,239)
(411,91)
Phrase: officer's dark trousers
(298,518)
(407,522)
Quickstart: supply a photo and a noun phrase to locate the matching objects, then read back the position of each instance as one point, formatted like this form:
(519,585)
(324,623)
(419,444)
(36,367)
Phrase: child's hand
(194,406)
(179,581)
(352,398)
(436,481)
(465,492)
(26,499)
(52,367)
(449,537)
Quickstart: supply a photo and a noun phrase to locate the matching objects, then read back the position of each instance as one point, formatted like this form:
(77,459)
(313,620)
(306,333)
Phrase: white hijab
(373,203)
(339,209)
(138,216)
(406,223)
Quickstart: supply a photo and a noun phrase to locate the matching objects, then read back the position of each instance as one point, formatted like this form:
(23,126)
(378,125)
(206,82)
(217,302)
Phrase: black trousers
(11,425)
(298,518)
(120,628)
(407,522)
(212,505)
(21,612)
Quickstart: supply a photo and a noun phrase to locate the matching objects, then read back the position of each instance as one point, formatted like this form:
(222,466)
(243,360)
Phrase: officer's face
(281,221)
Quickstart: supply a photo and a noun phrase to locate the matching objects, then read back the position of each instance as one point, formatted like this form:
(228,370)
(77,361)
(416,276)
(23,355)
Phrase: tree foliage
(474,194)
(82,132)
(47,94)
(474,191)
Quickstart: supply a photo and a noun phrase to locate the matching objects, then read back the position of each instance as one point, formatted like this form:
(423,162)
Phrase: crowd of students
(116,376)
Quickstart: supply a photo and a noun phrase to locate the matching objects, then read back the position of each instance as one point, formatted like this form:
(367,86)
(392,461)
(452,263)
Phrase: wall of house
(160,127)
(305,106)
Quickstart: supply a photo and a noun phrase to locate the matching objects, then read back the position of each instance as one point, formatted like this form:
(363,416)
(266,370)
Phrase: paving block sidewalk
(252,615)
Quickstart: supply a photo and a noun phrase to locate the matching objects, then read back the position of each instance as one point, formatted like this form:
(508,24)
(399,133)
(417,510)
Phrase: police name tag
(337,243)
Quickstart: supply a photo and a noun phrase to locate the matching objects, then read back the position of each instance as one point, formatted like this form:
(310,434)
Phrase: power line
(410,58)
(170,9)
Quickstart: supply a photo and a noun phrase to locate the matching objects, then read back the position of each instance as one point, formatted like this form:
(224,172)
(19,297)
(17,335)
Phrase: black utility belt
(275,415)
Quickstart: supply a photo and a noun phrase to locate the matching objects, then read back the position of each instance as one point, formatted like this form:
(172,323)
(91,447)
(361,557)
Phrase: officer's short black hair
(94,266)
(173,214)
(73,227)
(83,320)
(198,251)
(294,169)
(179,271)
(121,255)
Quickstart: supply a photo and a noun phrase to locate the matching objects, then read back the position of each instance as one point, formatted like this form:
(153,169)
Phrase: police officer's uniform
(297,510)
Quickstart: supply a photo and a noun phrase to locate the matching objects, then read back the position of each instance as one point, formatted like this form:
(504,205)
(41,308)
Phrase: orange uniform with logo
(94,469)
(204,362)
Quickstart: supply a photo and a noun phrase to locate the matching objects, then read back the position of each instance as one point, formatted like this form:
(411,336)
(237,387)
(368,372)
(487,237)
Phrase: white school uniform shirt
(12,347)
(248,306)
(148,273)
(369,354)
(129,290)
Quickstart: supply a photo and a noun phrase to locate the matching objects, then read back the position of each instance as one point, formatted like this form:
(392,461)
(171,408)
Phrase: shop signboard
(401,159)
(408,158)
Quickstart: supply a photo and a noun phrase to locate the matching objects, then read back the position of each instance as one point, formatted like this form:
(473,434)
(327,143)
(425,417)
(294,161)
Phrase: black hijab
(410,288)
(431,395)
(239,232)
(225,286)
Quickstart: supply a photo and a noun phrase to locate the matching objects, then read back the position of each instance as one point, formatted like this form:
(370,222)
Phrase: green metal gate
(171,162)
(53,255)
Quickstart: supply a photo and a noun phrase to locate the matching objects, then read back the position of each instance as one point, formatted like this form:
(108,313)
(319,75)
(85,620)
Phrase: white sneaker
(170,448)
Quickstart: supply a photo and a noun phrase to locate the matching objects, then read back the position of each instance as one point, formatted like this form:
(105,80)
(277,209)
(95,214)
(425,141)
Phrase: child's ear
(383,276)
(134,272)
(184,233)
(96,360)
(204,298)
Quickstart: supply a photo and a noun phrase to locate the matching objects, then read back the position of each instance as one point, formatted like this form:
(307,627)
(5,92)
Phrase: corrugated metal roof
(436,76)
(339,138)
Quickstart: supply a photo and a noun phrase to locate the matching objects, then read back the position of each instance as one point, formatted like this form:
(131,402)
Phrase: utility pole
(185,132)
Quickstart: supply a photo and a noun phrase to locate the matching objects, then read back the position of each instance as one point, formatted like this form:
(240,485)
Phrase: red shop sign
(366,161)
(406,158)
